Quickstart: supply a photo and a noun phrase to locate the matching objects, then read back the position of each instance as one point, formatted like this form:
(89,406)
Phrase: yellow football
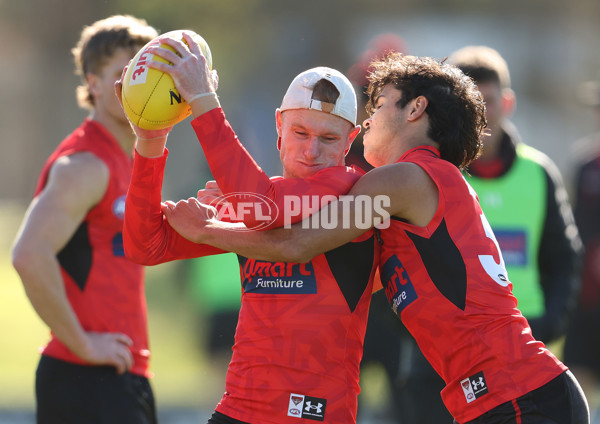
(150,98)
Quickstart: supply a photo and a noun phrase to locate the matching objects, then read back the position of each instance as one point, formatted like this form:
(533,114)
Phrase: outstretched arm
(403,190)
(247,187)
(147,238)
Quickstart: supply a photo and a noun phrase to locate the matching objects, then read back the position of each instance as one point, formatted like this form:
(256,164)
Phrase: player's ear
(509,101)
(278,125)
(92,83)
(417,107)
(355,131)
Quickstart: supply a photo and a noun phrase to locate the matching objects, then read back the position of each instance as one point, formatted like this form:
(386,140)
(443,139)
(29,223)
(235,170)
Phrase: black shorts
(560,401)
(218,418)
(582,344)
(68,393)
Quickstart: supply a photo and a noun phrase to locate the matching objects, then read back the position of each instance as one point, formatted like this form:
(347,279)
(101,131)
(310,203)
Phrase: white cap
(300,91)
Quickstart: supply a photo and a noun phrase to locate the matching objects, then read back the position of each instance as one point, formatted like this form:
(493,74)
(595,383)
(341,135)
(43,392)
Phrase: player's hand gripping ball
(150,98)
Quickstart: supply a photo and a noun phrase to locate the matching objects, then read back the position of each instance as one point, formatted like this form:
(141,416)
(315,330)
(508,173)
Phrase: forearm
(272,245)
(328,228)
(148,238)
(144,233)
(299,243)
(203,103)
(151,148)
(41,277)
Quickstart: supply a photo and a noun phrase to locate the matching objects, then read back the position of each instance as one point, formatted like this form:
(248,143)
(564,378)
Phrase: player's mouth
(310,165)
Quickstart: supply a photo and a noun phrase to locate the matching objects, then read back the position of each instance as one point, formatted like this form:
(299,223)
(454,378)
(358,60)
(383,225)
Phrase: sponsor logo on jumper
(302,406)
(513,244)
(399,289)
(277,277)
(474,386)
(118,207)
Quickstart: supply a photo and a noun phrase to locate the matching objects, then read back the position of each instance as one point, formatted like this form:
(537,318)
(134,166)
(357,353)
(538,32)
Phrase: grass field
(183,376)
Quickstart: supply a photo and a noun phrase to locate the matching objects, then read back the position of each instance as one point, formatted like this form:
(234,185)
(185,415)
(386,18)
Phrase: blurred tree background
(258,46)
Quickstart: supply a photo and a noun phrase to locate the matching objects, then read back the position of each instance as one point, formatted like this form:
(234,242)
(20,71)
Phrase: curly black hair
(456,109)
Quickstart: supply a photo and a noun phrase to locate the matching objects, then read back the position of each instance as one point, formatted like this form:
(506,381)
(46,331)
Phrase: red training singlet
(448,284)
(105,289)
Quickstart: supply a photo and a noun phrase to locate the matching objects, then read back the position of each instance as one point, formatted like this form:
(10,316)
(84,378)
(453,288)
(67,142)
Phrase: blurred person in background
(384,330)
(301,326)
(69,251)
(525,201)
(524,197)
(582,344)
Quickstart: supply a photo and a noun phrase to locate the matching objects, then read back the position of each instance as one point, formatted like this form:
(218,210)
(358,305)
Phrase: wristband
(203,103)
(197,96)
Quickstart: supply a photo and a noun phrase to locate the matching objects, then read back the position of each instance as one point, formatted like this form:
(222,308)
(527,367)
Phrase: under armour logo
(478,384)
(317,408)
(307,407)
(474,387)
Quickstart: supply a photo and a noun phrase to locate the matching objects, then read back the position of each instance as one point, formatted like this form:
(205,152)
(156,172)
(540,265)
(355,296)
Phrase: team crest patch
(118,206)
(474,386)
(399,289)
(307,407)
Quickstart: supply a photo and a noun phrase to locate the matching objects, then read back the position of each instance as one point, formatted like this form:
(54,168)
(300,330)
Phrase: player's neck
(120,130)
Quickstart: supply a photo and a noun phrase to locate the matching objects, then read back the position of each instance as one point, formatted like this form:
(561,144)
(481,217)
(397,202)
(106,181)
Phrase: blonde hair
(100,41)
(483,64)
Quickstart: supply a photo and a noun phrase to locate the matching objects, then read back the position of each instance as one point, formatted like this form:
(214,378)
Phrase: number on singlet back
(495,270)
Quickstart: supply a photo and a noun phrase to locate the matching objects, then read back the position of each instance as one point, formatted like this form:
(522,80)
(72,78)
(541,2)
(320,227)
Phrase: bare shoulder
(80,163)
(75,184)
(81,175)
(83,167)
